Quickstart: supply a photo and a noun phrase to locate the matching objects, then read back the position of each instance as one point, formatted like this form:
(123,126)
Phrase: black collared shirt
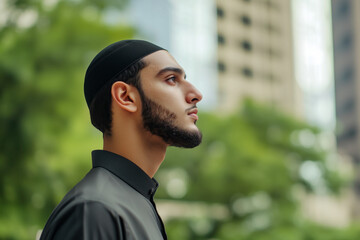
(113,201)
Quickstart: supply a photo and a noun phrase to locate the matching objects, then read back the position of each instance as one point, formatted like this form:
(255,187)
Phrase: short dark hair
(100,107)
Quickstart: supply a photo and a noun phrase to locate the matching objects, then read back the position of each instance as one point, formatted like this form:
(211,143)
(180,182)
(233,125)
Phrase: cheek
(171,97)
(168,96)
(174,102)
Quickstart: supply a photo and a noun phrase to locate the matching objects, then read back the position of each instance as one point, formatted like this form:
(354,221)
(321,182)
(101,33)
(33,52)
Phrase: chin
(193,128)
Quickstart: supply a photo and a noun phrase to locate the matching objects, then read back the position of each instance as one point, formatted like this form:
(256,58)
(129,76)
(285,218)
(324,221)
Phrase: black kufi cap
(111,61)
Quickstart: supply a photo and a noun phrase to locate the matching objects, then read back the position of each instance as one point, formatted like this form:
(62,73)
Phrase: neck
(148,155)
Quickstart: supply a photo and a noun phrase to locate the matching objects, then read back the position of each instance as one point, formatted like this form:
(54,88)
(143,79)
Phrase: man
(140,100)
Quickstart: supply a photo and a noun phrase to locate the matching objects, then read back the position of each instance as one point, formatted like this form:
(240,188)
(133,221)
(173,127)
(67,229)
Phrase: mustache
(190,108)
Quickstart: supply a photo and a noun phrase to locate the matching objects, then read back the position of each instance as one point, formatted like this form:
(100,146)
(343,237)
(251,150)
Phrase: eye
(171,80)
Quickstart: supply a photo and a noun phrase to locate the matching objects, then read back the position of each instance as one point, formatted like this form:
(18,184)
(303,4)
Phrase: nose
(193,95)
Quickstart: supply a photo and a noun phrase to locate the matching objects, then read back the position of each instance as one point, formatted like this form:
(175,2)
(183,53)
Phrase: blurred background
(280,114)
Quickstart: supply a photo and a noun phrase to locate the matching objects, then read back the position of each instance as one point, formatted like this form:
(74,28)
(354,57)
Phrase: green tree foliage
(45,133)
(250,162)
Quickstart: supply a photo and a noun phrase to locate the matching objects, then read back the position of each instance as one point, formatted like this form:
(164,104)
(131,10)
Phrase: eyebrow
(171,69)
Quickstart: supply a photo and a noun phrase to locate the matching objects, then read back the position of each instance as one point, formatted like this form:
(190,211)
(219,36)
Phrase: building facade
(346,36)
(255,54)
(346,31)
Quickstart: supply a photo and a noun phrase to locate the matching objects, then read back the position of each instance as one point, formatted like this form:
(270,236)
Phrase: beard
(161,122)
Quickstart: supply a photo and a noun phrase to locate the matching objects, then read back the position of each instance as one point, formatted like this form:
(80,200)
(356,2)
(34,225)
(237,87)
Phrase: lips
(193,113)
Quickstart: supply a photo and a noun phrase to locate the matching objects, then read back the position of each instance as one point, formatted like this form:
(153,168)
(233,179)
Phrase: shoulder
(84,220)
(99,185)
(102,203)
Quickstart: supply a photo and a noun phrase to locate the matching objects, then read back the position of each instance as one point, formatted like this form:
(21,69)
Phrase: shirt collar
(127,171)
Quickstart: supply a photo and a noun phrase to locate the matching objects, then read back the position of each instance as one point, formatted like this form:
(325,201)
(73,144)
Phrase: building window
(348,134)
(346,42)
(347,107)
(221,67)
(343,9)
(220,12)
(347,75)
(273,53)
(245,20)
(247,72)
(246,45)
(357,181)
(270,77)
(271,5)
(272,29)
(221,39)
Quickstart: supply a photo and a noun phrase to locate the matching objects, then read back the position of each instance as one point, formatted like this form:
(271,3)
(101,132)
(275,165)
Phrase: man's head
(167,100)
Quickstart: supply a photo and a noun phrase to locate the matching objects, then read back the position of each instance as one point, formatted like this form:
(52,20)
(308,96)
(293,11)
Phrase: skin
(163,81)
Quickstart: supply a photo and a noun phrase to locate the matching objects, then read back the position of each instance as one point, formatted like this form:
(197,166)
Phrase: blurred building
(313,56)
(188,30)
(346,36)
(314,71)
(255,54)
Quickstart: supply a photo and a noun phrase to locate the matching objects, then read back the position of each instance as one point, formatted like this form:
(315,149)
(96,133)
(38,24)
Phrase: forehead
(159,60)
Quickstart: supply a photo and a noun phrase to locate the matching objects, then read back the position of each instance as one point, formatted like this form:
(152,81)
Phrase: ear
(124,96)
